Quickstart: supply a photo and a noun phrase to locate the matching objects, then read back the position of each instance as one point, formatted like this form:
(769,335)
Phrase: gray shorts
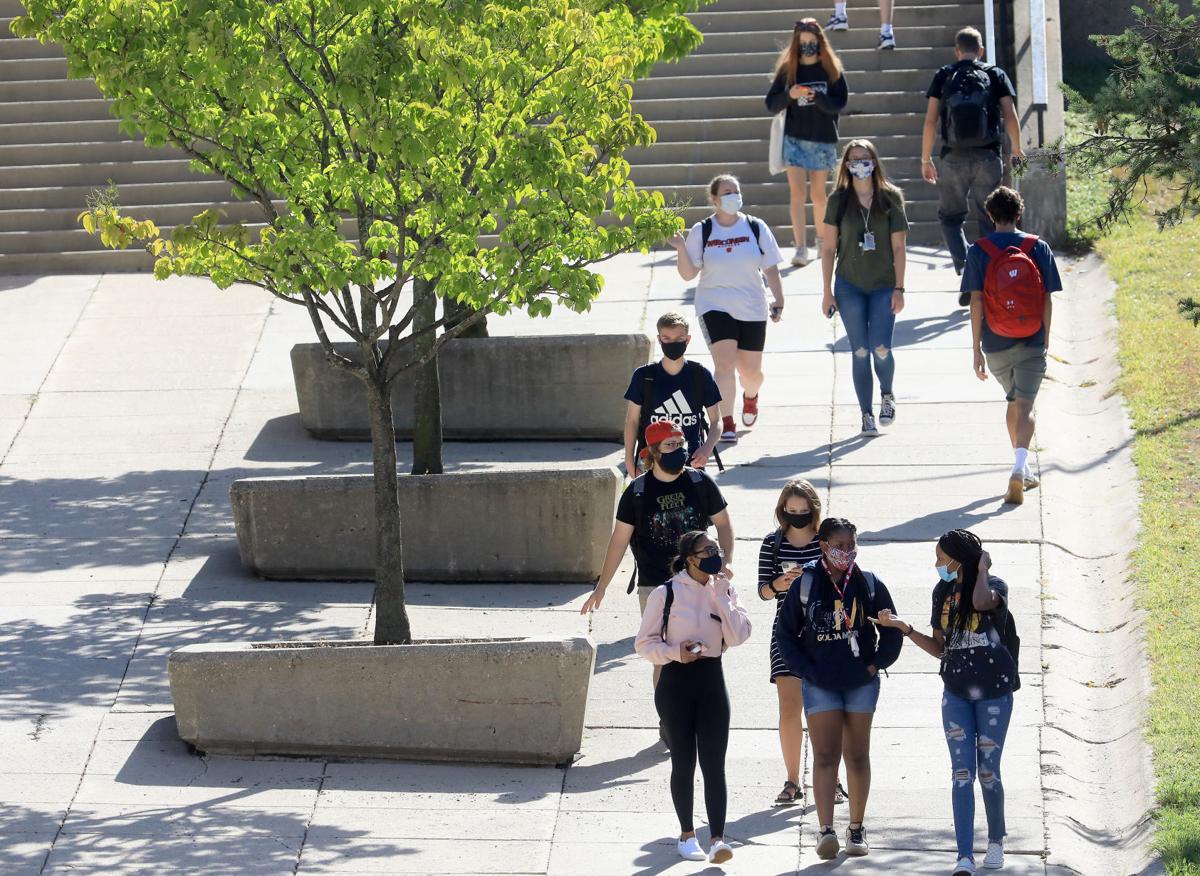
(643,595)
(1019,369)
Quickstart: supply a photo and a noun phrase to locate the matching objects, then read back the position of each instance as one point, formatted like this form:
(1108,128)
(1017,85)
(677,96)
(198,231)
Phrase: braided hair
(832,526)
(965,547)
(685,548)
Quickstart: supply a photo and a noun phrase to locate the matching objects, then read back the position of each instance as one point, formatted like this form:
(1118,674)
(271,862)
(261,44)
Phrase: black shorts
(720,326)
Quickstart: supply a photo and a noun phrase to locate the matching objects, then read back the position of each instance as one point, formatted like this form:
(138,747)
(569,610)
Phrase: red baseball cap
(661,431)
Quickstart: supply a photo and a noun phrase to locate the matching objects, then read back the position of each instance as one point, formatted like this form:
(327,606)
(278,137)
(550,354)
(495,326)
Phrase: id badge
(868,241)
(853,639)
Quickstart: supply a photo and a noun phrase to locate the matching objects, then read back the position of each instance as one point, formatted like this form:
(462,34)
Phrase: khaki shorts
(1019,369)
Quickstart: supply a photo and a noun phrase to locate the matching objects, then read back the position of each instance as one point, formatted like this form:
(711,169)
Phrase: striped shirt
(768,572)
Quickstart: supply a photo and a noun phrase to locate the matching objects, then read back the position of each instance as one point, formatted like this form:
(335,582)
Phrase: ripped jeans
(975,731)
(869,321)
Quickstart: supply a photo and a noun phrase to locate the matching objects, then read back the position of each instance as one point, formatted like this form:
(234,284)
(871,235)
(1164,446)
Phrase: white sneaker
(801,257)
(689,850)
(964,867)
(868,426)
(719,852)
(827,845)
(887,410)
(856,842)
(837,22)
(1030,480)
(994,859)
(887,41)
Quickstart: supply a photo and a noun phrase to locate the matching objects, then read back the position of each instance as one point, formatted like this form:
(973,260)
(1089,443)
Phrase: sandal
(840,794)
(789,796)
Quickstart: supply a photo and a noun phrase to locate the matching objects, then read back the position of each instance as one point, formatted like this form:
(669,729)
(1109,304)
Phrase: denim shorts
(860,700)
(809,154)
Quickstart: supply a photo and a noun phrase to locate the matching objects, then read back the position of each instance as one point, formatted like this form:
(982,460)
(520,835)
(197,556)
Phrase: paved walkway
(127,407)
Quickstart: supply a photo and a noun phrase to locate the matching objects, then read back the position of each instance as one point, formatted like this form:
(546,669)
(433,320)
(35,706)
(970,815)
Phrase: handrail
(989,31)
(1037,47)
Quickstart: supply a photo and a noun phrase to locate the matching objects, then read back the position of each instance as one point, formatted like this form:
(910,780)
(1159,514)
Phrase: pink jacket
(692,619)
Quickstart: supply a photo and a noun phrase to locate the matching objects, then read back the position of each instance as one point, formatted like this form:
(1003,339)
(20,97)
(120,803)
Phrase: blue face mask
(710,565)
(945,574)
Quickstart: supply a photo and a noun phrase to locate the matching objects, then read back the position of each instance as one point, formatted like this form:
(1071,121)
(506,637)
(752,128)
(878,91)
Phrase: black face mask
(673,350)
(800,521)
(711,565)
(810,50)
(673,461)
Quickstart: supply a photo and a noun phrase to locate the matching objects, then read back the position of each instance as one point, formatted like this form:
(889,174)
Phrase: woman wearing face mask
(731,253)
(865,233)
(970,608)
(687,625)
(827,639)
(810,86)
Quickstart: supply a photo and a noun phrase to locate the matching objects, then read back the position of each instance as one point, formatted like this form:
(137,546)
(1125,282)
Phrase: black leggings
(694,707)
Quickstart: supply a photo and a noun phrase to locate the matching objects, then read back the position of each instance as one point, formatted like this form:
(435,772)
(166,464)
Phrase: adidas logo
(675,410)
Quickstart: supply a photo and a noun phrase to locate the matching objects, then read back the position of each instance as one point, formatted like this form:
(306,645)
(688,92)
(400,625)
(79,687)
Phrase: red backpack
(1014,295)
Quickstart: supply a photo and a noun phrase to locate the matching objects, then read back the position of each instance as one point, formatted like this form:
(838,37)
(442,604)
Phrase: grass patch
(1087,196)
(1160,358)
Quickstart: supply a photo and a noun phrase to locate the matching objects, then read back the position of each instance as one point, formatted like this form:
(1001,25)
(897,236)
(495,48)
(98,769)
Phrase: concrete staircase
(58,141)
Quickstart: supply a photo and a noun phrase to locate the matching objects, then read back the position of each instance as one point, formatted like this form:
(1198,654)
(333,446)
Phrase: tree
(381,139)
(1145,117)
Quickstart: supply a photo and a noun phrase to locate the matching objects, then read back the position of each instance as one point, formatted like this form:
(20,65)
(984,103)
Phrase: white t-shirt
(731,268)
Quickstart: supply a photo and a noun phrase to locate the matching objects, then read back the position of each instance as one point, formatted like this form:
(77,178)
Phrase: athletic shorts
(1019,369)
(859,700)
(720,326)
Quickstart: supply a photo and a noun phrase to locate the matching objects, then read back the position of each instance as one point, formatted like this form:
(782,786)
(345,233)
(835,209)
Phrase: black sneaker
(964,299)
(856,842)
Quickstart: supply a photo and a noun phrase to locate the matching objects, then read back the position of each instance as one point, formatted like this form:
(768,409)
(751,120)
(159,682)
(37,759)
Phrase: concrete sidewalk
(127,407)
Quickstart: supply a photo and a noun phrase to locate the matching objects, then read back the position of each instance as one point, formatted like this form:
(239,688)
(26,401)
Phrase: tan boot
(1016,491)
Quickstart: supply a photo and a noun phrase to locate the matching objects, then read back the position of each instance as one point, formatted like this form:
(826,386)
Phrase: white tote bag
(775,150)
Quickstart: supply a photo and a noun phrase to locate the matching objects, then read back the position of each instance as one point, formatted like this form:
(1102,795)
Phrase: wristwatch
(899,289)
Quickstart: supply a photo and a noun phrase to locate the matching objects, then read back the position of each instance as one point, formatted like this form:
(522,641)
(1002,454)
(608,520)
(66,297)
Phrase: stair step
(750,40)
(702,109)
(856,8)
(762,62)
(782,20)
(85,152)
(38,112)
(33,68)
(47,89)
(66,219)
(759,196)
(758,126)
(12,50)
(748,150)
(70,236)
(197,191)
(752,171)
(74,131)
(86,262)
(100,173)
(756,84)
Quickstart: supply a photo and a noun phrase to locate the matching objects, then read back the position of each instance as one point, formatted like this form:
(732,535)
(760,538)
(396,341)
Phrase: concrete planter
(537,525)
(505,701)
(559,386)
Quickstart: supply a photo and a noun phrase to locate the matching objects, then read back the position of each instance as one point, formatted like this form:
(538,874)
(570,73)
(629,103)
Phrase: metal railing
(1001,32)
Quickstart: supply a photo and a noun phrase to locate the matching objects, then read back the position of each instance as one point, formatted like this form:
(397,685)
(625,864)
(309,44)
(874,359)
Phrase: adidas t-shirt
(731,268)
(976,271)
(674,397)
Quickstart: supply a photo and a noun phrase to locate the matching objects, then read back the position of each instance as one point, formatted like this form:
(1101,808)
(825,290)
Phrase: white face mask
(730,203)
(861,169)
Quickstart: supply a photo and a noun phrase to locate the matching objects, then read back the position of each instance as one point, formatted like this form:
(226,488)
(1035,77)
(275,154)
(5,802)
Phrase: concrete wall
(558,386)
(535,525)
(1082,18)
(516,701)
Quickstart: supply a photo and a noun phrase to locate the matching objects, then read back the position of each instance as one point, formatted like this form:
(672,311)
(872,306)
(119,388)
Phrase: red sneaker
(728,430)
(749,410)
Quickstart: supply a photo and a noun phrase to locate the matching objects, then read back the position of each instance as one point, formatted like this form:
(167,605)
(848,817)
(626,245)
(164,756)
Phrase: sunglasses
(709,551)
(808,25)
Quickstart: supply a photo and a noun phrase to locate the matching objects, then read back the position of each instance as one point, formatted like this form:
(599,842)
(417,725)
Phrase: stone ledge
(547,525)
(552,387)
(518,700)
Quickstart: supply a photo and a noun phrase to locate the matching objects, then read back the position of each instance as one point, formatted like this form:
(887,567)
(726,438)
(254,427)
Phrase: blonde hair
(805,490)
(879,180)
(789,58)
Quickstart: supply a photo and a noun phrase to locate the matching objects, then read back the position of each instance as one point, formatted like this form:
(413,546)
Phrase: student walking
(866,230)
(826,639)
(810,86)
(732,253)
(971,104)
(1009,279)
(688,623)
(841,21)
(675,390)
(782,557)
(974,638)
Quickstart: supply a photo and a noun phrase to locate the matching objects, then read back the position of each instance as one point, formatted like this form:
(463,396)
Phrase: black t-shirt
(1001,87)
(815,120)
(675,397)
(667,511)
(976,665)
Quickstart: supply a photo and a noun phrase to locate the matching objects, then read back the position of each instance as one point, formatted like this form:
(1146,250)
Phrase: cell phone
(829,313)
(696,648)
(788,565)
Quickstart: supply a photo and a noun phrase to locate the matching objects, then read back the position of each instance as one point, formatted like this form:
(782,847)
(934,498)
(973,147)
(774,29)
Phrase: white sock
(1022,460)
(885,30)
(839,9)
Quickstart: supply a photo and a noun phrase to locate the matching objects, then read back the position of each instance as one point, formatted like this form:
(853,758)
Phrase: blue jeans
(975,731)
(869,321)
(966,178)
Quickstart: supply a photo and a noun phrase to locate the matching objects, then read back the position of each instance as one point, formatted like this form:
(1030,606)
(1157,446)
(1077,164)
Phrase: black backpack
(639,490)
(648,401)
(1008,635)
(706,228)
(970,110)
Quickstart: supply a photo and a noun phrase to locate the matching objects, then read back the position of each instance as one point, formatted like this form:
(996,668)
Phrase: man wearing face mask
(673,390)
(656,509)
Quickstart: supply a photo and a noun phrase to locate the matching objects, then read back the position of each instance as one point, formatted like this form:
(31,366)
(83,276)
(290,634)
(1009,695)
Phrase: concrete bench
(553,387)
(520,700)
(531,525)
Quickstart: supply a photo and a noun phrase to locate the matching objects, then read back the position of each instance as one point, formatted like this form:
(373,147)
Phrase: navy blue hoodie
(814,643)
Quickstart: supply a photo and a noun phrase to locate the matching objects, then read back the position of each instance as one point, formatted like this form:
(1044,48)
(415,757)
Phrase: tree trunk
(457,312)
(427,396)
(391,617)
